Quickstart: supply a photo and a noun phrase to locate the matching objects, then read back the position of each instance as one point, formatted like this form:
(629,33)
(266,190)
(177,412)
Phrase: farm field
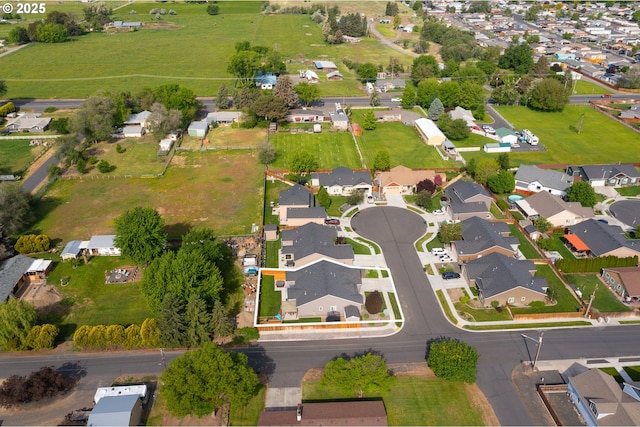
(602,140)
(403,143)
(222,191)
(15,155)
(331,149)
(192,33)
(227,136)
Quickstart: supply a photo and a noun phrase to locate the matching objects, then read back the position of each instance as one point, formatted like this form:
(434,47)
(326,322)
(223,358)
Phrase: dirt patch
(245,319)
(480,402)
(43,297)
(313,374)
(420,370)
(179,161)
(455,294)
(161,26)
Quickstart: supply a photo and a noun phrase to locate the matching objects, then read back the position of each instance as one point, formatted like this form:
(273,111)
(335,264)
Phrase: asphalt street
(39,175)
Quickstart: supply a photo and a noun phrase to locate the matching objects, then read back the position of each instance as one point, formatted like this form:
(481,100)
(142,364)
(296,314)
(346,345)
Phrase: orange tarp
(575,241)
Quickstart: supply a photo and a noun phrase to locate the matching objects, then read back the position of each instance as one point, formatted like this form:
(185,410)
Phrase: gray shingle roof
(479,234)
(343,176)
(314,238)
(603,238)
(317,212)
(102,241)
(527,174)
(10,272)
(592,172)
(296,195)
(497,273)
(461,191)
(324,278)
(547,205)
(469,207)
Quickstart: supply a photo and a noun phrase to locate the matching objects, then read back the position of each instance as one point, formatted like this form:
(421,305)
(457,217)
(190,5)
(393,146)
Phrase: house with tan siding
(625,281)
(600,239)
(402,180)
(311,242)
(481,237)
(558,212)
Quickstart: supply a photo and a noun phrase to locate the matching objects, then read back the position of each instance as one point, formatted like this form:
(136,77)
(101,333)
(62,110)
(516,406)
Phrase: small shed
(317,128)
(198,129)
(165,144)
(134,131)
(271,232)
(507,135)
(357,130)
(500,147)
(71,250)
(123,410)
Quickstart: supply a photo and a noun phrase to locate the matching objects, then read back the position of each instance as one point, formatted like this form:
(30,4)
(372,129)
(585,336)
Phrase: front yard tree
(426,185)
(453,360)
(16,320)
(175,97)
(362,375)
(161,120)
(222,97)
(549,95)
(436,109)
(502,182)
(583,192)
(15,208)
(140,234)
(408,97)
(302,162)
(382,161)
(308,92)
(369,121)
(424,200)
(367,72)
(220,325)
(284,89)
(267,153)
(450,232)
(172,322)
(96,118)
(203,381)
(323,197)
(244,66)
(373,302)
(270,107)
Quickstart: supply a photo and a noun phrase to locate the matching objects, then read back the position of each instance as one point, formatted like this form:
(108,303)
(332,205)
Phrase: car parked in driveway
(448,275)
(332,221)
(489,129)
(445,258)
(438,251)
(438,212)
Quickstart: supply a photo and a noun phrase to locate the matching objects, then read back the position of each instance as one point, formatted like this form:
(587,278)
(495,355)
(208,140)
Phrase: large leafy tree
(505,95)
(270,107)
(175,97)
(369,121)
(382,161)
(284,89)
(267,153)
(244,66)
(16,320)
(549,95)
(140,234)
(408,97)
(367,72)
(161,120)
(484,169)
(302,162)
(502,182)
(307,92)
(96,118)
(424,67)
(517,57)
(453,360)
(583,192)
(450,232)
(15,208)
(361,375)
(203,381)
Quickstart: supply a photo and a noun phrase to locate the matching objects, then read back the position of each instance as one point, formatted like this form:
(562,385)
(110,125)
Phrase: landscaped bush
(30,243)
(117,336)
(373,302)
(41,337)
(105,167)
(453,360)
(7,108)
(594,265)
(465,299)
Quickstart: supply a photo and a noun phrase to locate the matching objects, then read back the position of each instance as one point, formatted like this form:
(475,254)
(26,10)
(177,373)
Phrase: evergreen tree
(323,197)
(222,97)
(198,319)
(369,121)
(220,325)
(172,322)
(436,109)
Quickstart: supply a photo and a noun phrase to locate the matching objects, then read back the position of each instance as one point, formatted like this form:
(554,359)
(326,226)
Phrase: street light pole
(539,341)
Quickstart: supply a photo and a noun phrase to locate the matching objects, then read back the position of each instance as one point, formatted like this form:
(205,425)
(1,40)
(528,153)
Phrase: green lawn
(140,157)
(222,191)
(481,314)
(89,301)
(273,189)
(559,245)
(614,373)
(336,202)
(605,301)
(15,155)
(375,247)
(630,191)
(272,253)
(585,87)
(330,149)
(415,401)
(445,306)
(270,299)
(633,371)
(359,248)
(248,415)
(565,301)
(601,140)
(526,248)
(403,143)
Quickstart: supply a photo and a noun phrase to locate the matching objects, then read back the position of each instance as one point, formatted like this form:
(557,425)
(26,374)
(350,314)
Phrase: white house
(140,119)
(430,131)
(103,245)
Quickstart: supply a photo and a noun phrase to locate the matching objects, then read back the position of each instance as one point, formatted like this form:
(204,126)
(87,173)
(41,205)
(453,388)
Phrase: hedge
(31,243)
(594,265)
(102,337)
(7,108)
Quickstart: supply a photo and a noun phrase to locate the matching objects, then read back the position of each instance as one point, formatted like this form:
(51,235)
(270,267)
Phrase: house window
(333,308)
(523,299)
(320,308)
(288,256)
(593,407)
(511,300)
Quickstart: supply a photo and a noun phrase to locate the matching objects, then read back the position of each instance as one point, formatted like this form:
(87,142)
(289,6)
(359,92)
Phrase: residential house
(125,410)
(352,413)
(402,180)
(310,242)
(481,237)
(266,81)
(601,175)
(133,131)
(601,401)
(102,245)
(28,123)
(505,279)
(383,84)
(393,115)
(323,289)
(463,114)
(297,206)
(507,135)
(632,113)
(625,281)
(532,179)
(298,217)
(343,181)
(598,239)
(429,131)
(558,212)
(138,119)
(198,128)
(339,119)
(224,117)
(300,115)
(18,271)
(467,199)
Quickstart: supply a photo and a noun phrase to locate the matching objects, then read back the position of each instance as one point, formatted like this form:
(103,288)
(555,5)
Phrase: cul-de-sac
(287,212)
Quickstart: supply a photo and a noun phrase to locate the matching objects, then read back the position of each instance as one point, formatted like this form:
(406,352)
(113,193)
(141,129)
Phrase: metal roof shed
(117,411)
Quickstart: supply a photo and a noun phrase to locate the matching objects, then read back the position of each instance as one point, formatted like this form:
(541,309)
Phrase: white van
(438,251)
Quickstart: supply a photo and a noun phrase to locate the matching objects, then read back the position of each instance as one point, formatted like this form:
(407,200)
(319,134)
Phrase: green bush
(373,303)
(50,109)
(105,167)
(495,304)
(31,243)
(465,299)
(41,337)
(116,336)
(453,360)
(7,108)
(60,125)
(119,149)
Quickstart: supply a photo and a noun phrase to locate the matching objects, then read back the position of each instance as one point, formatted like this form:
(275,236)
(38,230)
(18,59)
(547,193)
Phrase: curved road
(372,28)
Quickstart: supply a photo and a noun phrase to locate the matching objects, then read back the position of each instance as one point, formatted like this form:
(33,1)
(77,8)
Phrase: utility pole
(539,341)
(164,361)
(593,296)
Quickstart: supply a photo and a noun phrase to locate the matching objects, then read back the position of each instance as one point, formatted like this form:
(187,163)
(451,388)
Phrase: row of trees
(100,337)
(57,27)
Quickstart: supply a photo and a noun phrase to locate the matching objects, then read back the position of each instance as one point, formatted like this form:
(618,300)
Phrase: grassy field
(403,143)
(89,301)
(191,48)
(416,401)
(222,191)
(140,157)
(15,155)
(602,140)
(226,136)
(585,87)
(605,300)
(273,190)
(331,149)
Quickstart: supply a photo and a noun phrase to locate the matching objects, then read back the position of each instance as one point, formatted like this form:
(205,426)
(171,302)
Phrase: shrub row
(102,337)
(7,108)
(41,337)
(31,243)
(594,265)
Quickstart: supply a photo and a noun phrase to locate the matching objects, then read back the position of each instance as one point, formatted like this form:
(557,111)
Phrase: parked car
(489,129)
(438,212)
(448,275)
(438,251)
(453,221)
(332,221)
(606,95)
(445,258)
(396,99)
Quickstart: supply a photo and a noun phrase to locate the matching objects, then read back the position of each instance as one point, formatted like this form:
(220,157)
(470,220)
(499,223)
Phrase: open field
(140,157)
(585,87)
(203,43)
(227,136)
(417,401)
(15,155)
(602,140)
(330,149)
(222,191)
(403,143)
